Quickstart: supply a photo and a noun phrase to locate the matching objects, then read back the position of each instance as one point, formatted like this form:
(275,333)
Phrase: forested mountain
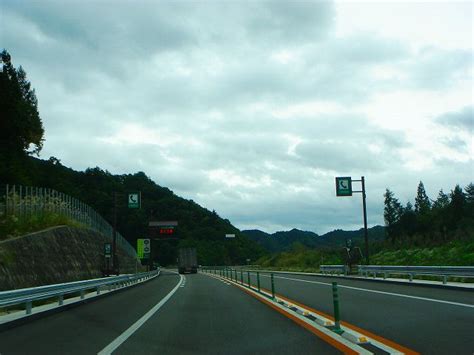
(285,241)
(197,226)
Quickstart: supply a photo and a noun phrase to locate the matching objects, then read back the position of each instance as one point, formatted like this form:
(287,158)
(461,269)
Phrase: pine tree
(469,193)
(422,202)
(392,213)
(442,201)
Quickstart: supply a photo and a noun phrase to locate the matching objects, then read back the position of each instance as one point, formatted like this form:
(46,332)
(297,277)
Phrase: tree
(442,201)
(422,202)
(470,199)
(456,209)
(21,129)
(392,213)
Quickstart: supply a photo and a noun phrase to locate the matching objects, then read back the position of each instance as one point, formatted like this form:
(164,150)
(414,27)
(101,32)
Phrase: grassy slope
(453,253)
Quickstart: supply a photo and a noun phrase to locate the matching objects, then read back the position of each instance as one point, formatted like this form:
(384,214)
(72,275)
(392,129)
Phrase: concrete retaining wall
(55,255)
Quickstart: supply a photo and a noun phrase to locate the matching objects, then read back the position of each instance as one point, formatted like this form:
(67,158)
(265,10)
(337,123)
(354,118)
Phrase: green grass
(12,226)
(458,252)
(304,260)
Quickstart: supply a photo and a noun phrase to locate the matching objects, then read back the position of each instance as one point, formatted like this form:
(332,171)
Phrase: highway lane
(428,326)
(205,316)
(210,317)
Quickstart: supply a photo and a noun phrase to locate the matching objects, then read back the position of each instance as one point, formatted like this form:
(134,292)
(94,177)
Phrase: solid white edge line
(135,326)
(379,292)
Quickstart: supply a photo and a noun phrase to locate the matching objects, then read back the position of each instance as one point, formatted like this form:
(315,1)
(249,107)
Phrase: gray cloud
(250,108)
(462,119)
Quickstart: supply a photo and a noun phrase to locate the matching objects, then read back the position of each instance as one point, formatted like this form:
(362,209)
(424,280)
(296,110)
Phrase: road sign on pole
(134,200)
(146,248)
(344,186)
(107,250)
(143,248)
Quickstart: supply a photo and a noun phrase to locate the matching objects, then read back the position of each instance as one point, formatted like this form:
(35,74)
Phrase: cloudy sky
(252,108)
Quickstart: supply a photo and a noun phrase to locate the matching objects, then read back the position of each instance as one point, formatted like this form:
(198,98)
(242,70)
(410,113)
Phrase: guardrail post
(82,294)
(98,290)
(384,275)
(445,279)
(248,277)
(273,285)
(335,299)
(411,277)
(29,305)
(258,281)
(241,277)
(61,299)
(235,275)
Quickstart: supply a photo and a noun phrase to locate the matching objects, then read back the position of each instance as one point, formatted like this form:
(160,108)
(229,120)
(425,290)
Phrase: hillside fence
(24,202)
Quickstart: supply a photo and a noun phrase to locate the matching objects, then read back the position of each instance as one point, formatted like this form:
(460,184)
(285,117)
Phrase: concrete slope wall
(55,255)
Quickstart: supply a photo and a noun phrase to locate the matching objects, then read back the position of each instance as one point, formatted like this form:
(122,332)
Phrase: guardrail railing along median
(441,271)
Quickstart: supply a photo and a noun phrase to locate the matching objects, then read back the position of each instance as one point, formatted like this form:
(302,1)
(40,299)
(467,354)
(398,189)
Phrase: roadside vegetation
(13,226)
(430,232)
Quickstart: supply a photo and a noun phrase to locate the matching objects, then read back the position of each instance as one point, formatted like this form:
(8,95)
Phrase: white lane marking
(380,292)
(134,327)
(183,283)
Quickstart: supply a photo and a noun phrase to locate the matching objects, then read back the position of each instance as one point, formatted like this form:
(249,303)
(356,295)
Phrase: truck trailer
(187,260)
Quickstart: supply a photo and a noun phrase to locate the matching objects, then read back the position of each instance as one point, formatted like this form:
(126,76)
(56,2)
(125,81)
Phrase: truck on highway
(187,260)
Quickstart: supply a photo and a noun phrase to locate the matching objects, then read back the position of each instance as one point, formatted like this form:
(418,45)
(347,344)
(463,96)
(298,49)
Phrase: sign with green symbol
(134,200)
(143,248)
(344,186)
(107,250)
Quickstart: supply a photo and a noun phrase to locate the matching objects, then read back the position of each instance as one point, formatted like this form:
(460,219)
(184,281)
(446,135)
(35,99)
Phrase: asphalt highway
(425,319)
(203,316)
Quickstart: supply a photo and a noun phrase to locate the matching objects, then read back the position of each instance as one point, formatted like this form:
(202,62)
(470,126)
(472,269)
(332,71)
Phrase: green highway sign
(344,186)
(107,250)
(134,200)
(143,248)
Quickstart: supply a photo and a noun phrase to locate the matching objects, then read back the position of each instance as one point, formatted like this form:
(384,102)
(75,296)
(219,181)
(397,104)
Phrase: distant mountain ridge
(285,240)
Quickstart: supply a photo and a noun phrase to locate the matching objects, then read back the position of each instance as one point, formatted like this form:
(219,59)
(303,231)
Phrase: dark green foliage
(422,202)
(21,129)
(392,213)
(449,217)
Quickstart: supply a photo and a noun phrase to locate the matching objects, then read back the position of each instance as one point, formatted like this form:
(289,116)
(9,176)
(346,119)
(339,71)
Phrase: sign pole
(114,239)
(366,236)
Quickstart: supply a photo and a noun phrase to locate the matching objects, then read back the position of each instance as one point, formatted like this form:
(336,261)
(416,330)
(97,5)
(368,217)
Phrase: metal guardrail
(29,295)
(334,269)
(412,271)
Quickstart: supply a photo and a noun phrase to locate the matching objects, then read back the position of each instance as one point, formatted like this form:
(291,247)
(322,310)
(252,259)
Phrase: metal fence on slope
(24,202)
